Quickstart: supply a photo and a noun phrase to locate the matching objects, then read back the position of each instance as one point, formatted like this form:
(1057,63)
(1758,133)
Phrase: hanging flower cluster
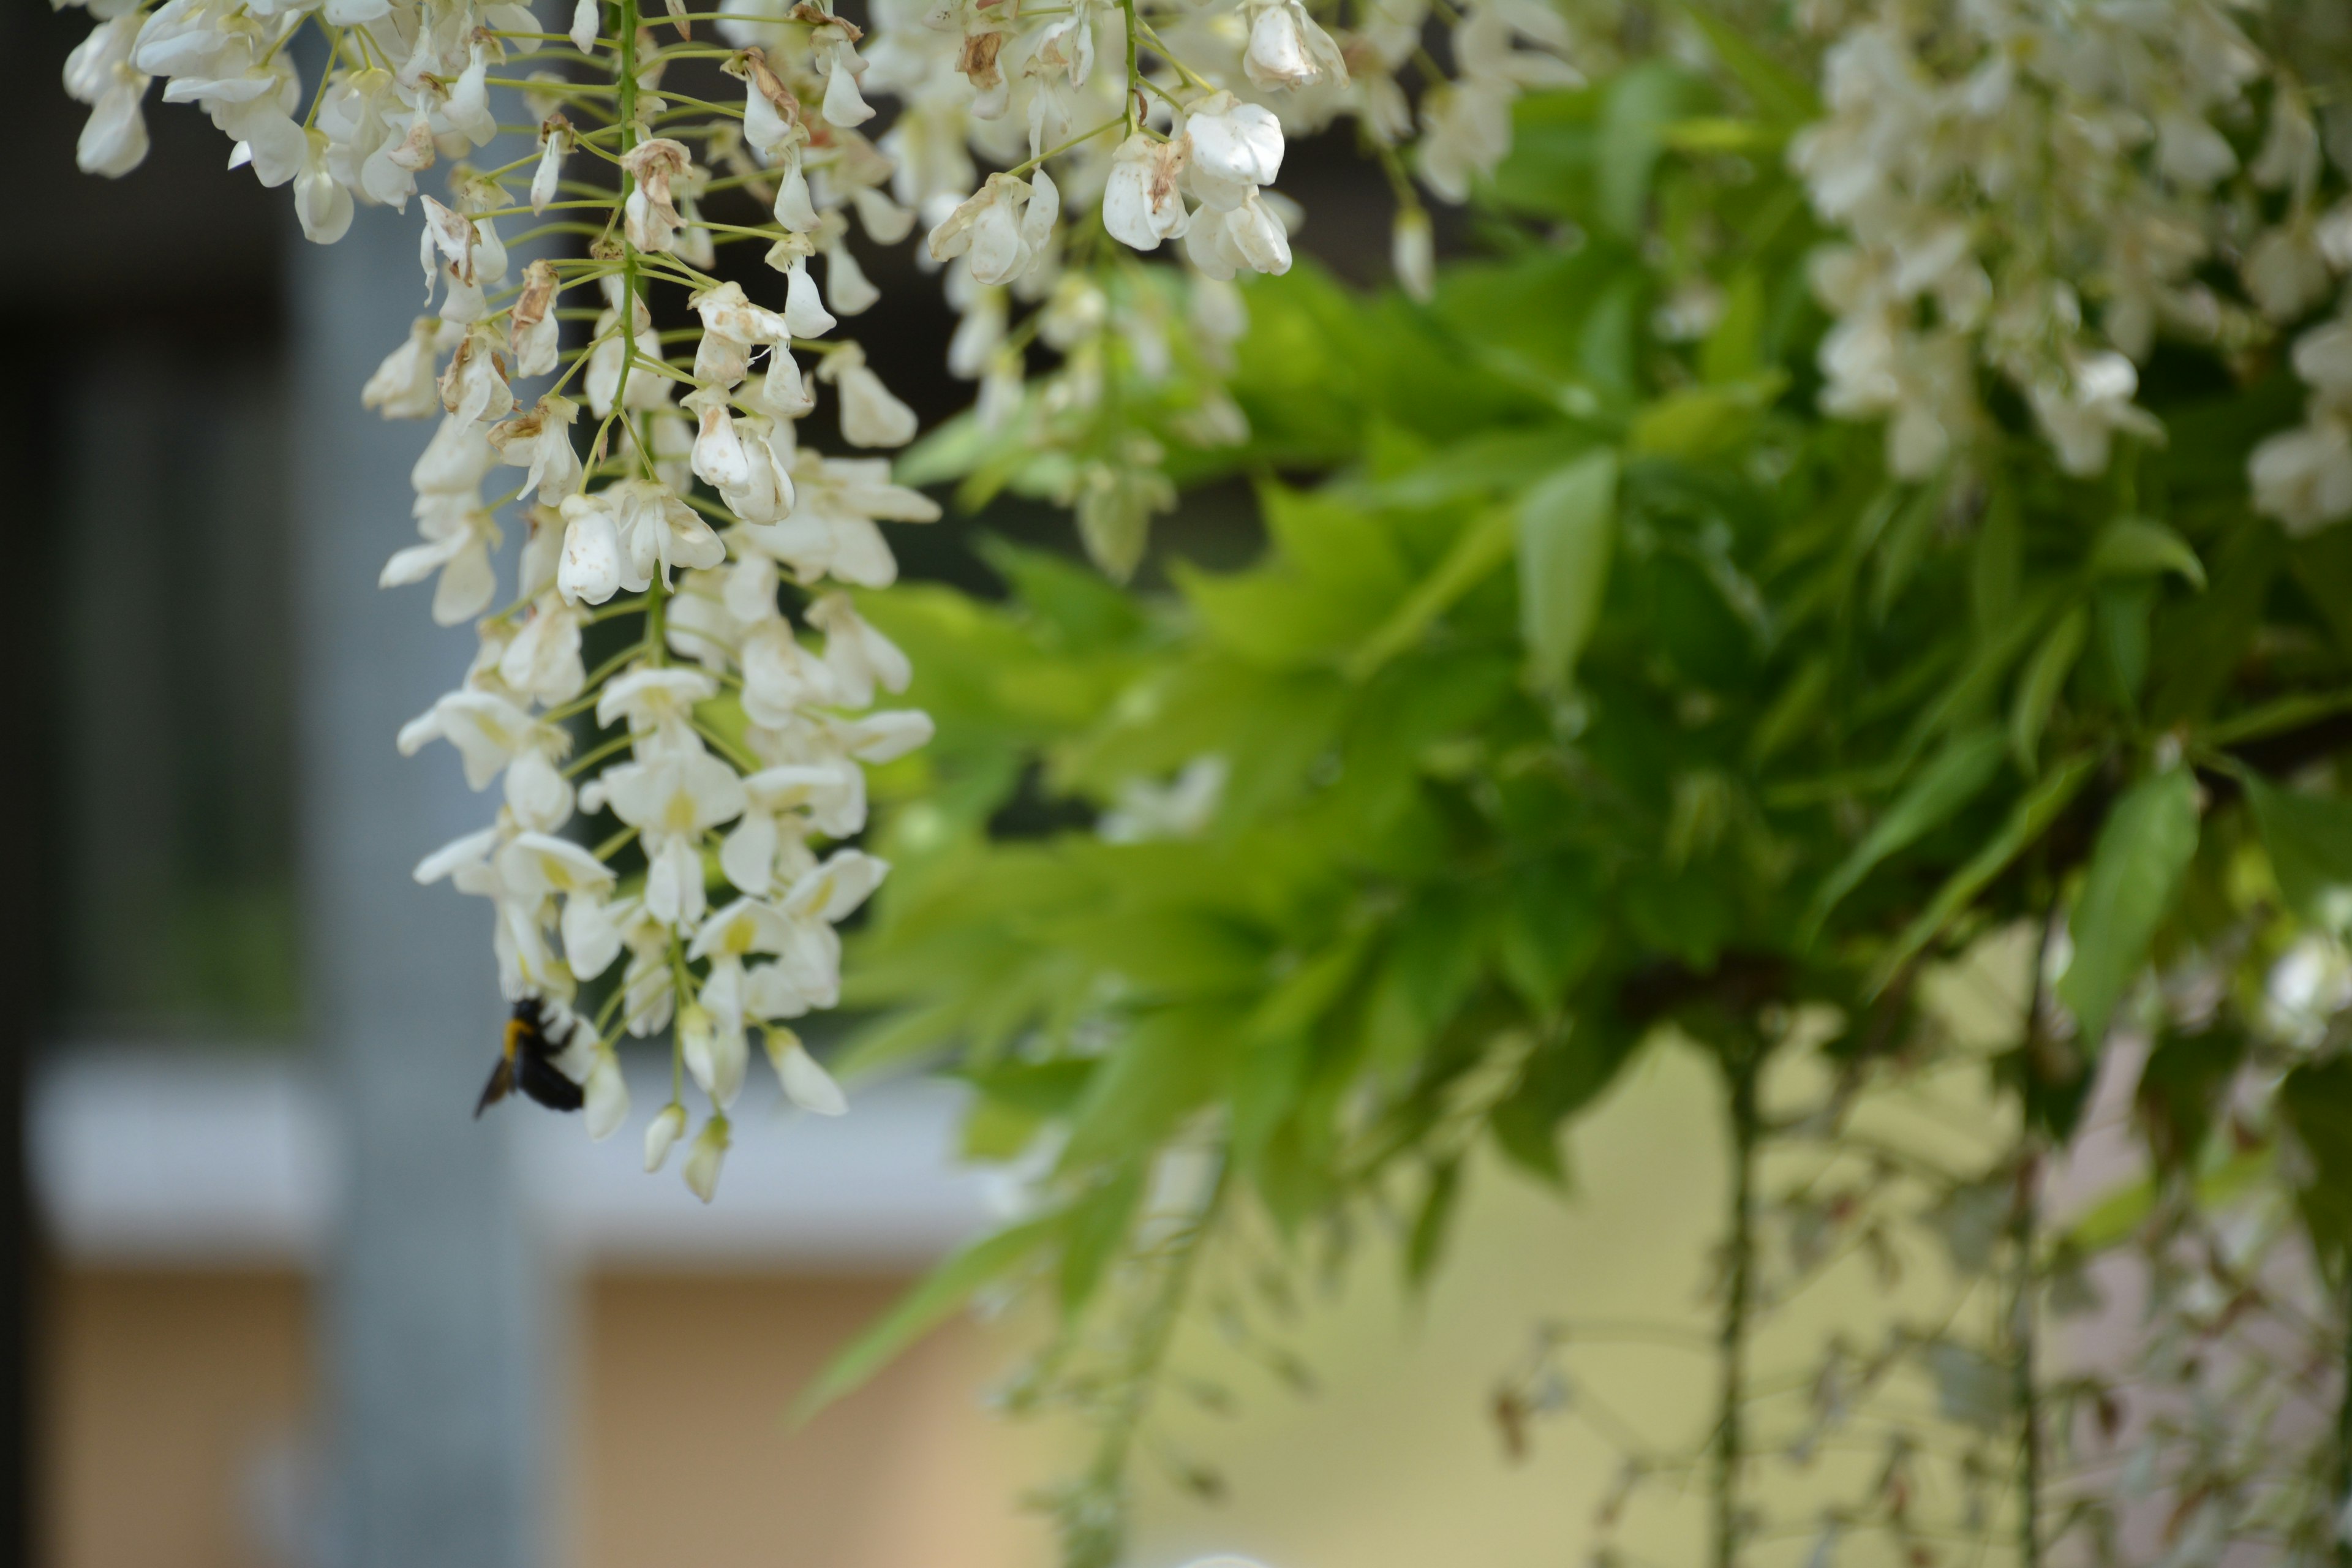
(2043,190)
(727,733)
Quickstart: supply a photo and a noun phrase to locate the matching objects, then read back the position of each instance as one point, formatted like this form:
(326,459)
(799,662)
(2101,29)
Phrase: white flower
(536,863)
(1247,237)
(2081,419)
(844,105)
(2191,152)
(1002,231)
(592,932)
(859,656)
(2323,357)
(870,414)
(733,328)
(718,454)
(651,216)
(1236,147)
(543,661)
(828,797)
(533,331)
(487,731)
(607,1094)
(1287,48)
(805,1082)
(660,532)
(458,532)
(89,69)
(322,204)
(541,441)
(804,311)
(779,675)
(1182,808)
(1141,202)
(473,385)
(539,795)
(593,567)
(882,736)
(1465,133)
(847,289)
(647,383)
(113,139)
(2304,476)
(404,387)
(676,794)
(831,531)
(555,138)
(832,891)
(658,706)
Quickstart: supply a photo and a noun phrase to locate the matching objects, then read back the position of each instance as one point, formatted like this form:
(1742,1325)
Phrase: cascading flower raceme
(2043,191)
(656,473)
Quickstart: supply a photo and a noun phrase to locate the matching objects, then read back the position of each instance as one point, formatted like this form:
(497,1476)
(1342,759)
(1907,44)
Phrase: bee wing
(501,1084)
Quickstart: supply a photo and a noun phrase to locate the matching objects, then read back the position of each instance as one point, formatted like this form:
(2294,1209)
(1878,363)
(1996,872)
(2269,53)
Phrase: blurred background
(274,1301)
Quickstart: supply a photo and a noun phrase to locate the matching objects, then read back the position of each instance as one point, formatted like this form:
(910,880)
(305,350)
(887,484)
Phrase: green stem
(2024,1389)
(2343,1553)
(1126,109)
(1742,1066)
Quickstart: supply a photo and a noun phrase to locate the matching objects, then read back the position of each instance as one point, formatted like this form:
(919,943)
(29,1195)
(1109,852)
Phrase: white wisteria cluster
(2043,190)
(730,749)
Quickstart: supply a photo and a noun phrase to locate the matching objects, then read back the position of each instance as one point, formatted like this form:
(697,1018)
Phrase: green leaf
(1779,93)
(1168,1063)
(1641,104)
(922,1309)
(2317,1100)
(2045,676)
(1430,1225)
(1703,421)
(1097,1227)
(1734,350)
(2310,841)
(1957,777)
(1477,551)
(1566,526)
(2028,821)
(2141,547)
(2135,868)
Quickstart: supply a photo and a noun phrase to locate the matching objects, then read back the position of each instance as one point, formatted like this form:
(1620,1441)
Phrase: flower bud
(665,1129)
(1413,253)
(703,1161)
(714,1050)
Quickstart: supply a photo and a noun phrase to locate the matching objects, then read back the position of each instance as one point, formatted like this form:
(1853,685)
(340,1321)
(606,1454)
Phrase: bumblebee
(527,1062)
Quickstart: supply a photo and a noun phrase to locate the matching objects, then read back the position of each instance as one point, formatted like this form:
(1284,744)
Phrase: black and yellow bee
(527,1062)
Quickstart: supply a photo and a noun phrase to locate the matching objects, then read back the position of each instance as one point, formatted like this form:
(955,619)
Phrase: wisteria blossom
(2043,191)
(630,413)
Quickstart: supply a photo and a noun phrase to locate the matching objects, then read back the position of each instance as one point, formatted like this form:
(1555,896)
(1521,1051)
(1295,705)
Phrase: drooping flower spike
(657,478)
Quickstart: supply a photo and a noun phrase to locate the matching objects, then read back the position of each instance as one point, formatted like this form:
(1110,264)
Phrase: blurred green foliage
(1594,683)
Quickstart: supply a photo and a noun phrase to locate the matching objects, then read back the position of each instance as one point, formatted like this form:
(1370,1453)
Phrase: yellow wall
(162,1394)
(171,1396)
